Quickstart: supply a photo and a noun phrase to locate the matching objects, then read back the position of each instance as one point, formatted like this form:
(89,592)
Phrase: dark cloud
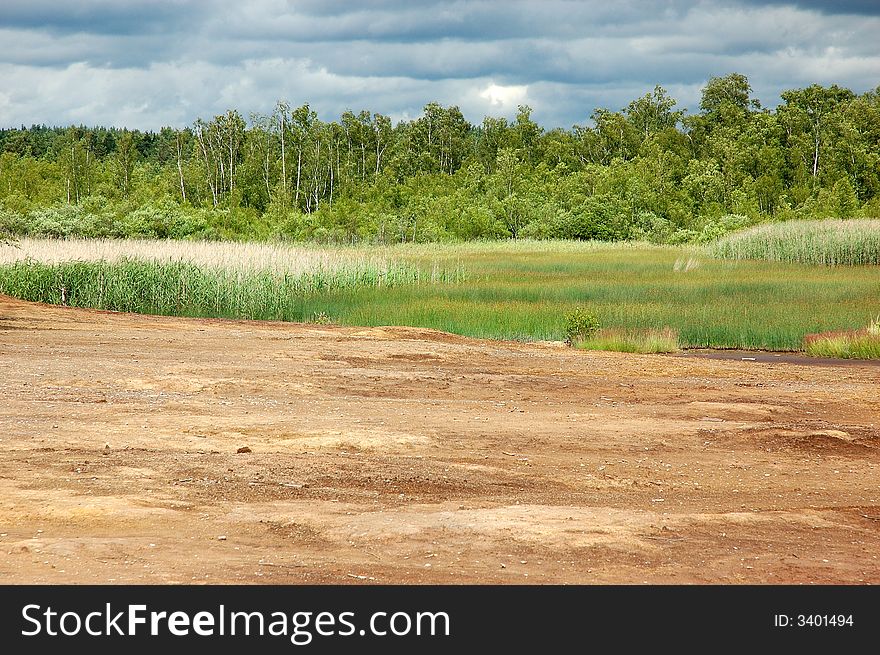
(147,62)
(99,16)
(472,20)
(857,7)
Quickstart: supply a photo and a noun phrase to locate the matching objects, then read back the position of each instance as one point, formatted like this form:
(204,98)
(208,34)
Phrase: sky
(150,63)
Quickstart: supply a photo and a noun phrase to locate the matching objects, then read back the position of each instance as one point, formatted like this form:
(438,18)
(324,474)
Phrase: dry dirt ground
(399,455)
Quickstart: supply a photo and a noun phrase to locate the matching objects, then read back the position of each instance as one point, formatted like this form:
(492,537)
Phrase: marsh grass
(826,242)
(523,290)
(197,279)
(275,258)
(509,290)
(648,341)
(845,345)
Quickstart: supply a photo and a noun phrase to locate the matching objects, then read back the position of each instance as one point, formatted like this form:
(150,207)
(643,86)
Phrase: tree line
(647,171)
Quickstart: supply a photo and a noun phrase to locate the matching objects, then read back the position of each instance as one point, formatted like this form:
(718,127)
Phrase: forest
(649,171)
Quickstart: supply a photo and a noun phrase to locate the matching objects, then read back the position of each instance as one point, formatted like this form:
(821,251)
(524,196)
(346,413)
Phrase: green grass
(853,344)
(826,242)
(185,289)
(510,290)
(523,291)
(631,341)
(856,345)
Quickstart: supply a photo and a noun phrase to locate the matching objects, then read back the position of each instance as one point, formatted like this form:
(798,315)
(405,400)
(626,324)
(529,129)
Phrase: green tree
(811,117)
(653,113)
(126,157)
(732,90)
(220,144)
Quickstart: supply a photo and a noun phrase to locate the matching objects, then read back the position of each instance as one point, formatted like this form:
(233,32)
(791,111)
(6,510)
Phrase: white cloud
(168,62)
(505,97)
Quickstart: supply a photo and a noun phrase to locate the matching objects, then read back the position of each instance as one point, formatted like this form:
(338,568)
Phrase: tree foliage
(645,171)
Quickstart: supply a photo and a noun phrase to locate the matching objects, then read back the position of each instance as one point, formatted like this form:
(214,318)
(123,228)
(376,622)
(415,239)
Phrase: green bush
(580,325)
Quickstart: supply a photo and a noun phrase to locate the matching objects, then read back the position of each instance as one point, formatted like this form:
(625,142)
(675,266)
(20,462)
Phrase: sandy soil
(399,455)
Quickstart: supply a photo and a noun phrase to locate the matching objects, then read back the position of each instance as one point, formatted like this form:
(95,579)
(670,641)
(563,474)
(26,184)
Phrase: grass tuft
(645,341)
(855,344)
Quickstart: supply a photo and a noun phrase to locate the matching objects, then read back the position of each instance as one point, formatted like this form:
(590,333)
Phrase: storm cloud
(147,63)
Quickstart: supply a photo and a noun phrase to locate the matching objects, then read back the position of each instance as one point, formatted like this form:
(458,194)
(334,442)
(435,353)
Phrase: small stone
(222,537)
(243,449)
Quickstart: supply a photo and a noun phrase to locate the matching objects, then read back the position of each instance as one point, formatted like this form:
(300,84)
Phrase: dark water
(764,357)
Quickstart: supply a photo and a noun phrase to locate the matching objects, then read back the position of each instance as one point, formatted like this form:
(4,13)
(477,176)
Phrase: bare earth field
(401,455)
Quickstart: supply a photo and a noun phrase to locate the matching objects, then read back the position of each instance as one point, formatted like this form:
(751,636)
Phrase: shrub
(9,224)
(60,220)
(597,217)
(716,228)
(579,325)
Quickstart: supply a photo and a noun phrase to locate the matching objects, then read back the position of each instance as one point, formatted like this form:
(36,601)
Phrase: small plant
(321,318)
(579,325)
(874,327)
(686,265)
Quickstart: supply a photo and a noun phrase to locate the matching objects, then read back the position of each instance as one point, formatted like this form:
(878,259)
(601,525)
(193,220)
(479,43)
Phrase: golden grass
(664,340)
(827,242)
(275,258)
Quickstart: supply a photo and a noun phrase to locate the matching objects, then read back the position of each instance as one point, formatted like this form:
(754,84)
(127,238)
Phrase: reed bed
(512,290)
(261,281)
(830,242)
(275,258)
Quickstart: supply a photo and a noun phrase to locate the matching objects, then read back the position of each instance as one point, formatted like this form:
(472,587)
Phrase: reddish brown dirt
(399,455)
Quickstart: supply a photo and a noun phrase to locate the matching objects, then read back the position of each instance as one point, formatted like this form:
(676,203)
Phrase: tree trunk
(283,157)
(299,158)
(180,169)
